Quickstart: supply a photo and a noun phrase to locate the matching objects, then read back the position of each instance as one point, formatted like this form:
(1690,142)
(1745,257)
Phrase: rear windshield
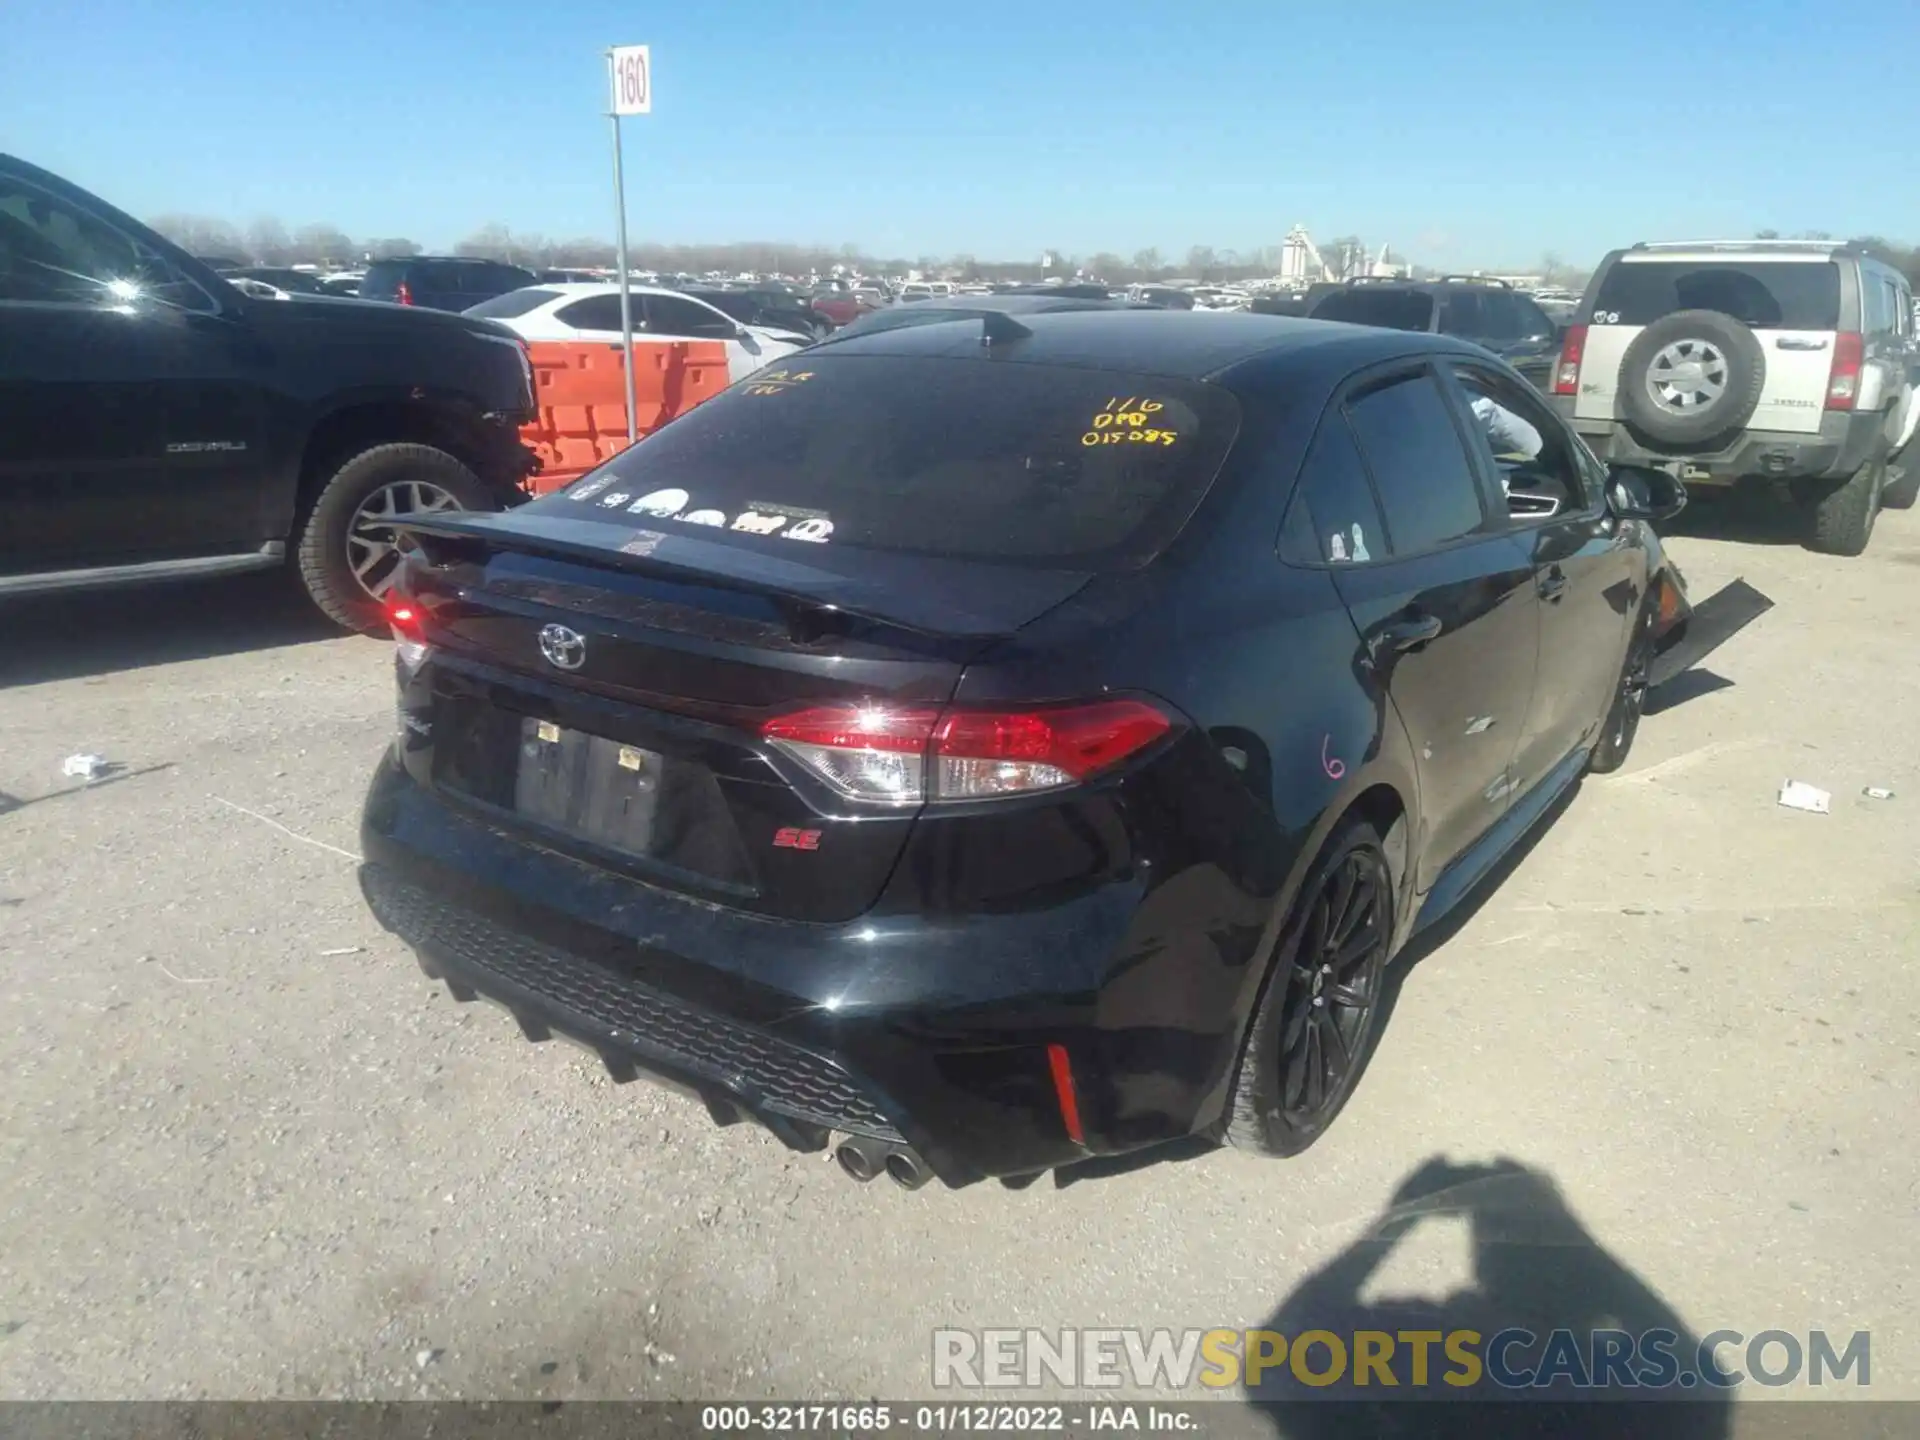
(956,457)
(1388,309)
(382,277)
(1768,295)
(514,302)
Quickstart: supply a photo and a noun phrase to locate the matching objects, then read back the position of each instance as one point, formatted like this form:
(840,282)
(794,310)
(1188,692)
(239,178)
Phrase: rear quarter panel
(1265,663)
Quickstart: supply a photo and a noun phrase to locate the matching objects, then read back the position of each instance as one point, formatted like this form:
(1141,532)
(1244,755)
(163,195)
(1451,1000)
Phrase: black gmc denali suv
(156,423)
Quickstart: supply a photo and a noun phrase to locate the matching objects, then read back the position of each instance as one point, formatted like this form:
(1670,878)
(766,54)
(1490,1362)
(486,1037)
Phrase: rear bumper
(934,1033)
(1845,441)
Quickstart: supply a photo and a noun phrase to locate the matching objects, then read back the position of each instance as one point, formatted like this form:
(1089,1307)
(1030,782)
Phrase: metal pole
(626,297)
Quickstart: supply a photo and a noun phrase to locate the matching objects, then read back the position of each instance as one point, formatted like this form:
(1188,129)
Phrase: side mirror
(1640,492)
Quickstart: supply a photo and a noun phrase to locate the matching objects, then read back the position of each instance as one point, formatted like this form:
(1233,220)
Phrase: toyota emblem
(566,649)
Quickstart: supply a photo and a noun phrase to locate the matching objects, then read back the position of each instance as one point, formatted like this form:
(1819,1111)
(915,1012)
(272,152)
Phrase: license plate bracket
(599,790)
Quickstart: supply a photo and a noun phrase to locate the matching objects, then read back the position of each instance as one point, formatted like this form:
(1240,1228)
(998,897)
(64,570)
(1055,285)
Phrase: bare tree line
(267,241)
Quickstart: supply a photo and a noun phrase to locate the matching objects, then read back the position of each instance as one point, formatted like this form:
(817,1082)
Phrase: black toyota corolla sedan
(987,744)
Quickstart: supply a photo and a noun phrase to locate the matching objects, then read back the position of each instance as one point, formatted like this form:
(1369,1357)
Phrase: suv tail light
(1566,374)
(402,295)
(1843,382)
(910,755)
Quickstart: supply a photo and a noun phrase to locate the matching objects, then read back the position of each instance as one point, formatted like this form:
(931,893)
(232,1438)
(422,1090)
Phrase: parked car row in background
(167,419)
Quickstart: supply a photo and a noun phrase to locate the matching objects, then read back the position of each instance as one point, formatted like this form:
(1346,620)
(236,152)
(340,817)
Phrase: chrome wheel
(1687,376)
(373,546)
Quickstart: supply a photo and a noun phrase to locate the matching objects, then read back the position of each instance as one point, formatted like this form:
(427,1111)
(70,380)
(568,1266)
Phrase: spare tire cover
(1691,376)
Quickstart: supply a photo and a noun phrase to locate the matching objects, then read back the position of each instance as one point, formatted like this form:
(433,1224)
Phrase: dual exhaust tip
(865,1160)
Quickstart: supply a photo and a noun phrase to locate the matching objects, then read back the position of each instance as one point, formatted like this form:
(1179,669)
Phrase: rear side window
(600,312)
(382,278)
(1767,295)
(1419,466)
(673,315)
(1388,309)
(434,275)
(491,278)
(959,457)
(1467,314)
(1334,519)
(514,302)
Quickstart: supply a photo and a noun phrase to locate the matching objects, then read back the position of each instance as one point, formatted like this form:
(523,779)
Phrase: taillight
(409,634)
(402,295)
(1843,381)
(1566,374)
(909,755)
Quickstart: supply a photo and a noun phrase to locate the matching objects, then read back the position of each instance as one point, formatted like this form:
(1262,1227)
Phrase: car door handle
(1553,584)
(1407,633)
(1796,342)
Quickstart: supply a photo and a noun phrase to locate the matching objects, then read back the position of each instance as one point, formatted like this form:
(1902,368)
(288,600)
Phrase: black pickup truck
(156,423)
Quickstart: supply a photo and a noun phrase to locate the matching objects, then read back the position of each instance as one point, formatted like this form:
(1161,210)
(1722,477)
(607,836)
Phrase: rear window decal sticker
(616,500)
(815,530)
(642,542)
(1359,543)
(755,523)
(587,489)
(703,517)
(661,502)
(792,512)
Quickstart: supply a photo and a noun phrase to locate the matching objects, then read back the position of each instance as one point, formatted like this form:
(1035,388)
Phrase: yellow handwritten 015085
(1149,436)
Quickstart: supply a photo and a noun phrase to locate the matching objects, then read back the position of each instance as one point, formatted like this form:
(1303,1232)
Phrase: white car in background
(590,311)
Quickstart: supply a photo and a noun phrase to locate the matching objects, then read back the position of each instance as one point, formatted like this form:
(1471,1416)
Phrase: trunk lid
(632,740)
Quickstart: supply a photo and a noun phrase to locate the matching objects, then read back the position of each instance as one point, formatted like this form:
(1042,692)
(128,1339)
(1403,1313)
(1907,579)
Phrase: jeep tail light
(1566,374)
(1843,381)
(402,295)
(908,755)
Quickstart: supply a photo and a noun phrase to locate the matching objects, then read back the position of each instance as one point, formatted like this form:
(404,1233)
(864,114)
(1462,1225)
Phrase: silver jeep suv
(1788,361)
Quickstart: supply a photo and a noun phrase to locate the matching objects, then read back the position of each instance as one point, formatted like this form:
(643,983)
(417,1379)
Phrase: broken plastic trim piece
(1712,623)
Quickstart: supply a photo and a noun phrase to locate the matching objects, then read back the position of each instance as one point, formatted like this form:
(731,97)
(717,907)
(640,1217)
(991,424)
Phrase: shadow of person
(1589,1363)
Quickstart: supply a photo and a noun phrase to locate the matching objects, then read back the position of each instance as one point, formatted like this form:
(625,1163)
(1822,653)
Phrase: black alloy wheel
(1320,1017)
(1332,989)
(1629,701)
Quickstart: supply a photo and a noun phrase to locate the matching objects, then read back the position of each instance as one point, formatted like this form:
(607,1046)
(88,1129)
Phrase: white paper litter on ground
(1798,795)
(84,767)
(1877,792)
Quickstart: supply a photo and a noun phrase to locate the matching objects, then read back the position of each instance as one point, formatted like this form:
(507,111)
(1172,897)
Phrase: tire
(1297,991)
(1841,516)
(330,543)
(1720,398)
(1629,699)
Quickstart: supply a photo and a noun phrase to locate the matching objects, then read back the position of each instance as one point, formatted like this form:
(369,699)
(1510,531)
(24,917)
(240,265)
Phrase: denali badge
(564,648)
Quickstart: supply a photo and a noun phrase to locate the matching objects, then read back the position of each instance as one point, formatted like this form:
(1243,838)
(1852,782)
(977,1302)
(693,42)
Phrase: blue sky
(1479,134)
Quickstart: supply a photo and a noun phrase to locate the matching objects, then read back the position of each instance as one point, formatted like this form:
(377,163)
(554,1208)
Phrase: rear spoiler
(913,603)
